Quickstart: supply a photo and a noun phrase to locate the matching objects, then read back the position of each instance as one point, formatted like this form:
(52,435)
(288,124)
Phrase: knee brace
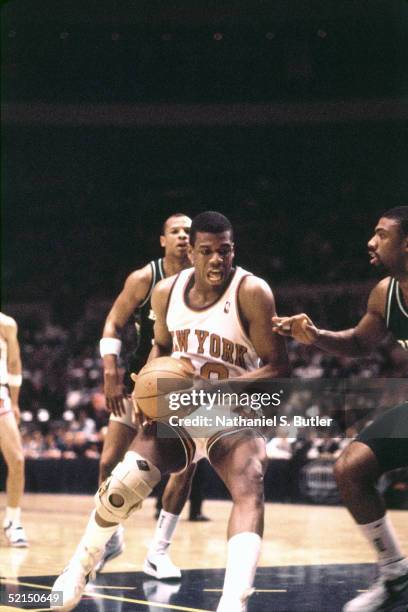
(130,482)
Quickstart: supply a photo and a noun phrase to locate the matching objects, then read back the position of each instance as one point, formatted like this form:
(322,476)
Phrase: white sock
(242,558)
(383,539)
(166,524)
(12,516)
(95,536)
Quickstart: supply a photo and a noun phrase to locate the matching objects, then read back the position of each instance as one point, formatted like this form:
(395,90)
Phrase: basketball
(155,380)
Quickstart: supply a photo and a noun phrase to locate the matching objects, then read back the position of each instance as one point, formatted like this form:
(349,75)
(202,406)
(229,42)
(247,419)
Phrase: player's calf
(131,482)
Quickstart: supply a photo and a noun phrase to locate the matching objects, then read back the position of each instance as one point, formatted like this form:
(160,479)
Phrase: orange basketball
(156,380)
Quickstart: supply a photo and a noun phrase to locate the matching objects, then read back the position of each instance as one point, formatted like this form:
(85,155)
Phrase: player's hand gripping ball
(155,381)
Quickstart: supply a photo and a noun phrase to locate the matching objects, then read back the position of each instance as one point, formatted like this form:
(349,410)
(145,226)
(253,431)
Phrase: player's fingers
(301,332)
(111,405)
(121,406)
(282,325)
(307,327)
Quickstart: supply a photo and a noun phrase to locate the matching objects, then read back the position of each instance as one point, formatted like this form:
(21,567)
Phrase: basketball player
(218,317)
(134,300)
(10,439)
(383,445)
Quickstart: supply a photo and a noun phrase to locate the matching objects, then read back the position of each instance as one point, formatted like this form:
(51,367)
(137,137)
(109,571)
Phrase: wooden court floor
(295,535)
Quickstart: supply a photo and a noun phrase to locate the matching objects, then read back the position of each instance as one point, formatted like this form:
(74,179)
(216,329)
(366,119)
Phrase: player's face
(388,248)
(212,256)
(176,234)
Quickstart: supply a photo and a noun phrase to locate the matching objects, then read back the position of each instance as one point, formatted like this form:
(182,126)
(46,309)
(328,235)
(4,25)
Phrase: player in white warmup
(10,439)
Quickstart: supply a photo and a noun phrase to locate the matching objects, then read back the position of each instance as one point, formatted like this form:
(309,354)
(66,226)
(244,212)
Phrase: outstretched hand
(300,327)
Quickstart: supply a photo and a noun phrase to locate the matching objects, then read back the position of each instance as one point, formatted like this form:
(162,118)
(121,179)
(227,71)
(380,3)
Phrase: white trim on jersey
(389,300)
(154,281)
(399,299)
(161,269)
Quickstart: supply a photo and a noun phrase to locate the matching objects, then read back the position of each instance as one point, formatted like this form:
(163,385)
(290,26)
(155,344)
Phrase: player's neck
(173,265)
(200,297)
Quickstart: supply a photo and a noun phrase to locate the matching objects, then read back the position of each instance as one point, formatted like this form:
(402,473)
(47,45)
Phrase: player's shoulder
(253,285)
(161,293)
(165,285)
(141,275)
(254,296)
(378,296)
(7,322)
(380,290)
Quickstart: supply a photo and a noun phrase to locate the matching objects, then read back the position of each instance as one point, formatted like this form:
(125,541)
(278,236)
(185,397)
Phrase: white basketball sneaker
(15,536)
(382,595)
(72,582)
(238,603)
(161,567)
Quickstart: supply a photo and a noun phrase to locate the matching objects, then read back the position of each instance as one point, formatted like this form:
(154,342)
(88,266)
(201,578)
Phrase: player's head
(174,236)
(211,248)
(388,248)
(400,215)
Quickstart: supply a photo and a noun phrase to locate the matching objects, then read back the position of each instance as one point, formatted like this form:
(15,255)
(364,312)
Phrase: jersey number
(208,369)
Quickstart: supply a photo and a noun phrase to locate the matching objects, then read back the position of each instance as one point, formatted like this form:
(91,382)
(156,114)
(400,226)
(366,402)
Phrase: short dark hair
(210,221)
(400,214)
(177,214)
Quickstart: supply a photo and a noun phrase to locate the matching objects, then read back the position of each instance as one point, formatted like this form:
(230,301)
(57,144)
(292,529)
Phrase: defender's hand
(300,327)
(113,388)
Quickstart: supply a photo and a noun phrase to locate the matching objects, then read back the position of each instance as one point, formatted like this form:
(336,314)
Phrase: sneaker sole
(153,573)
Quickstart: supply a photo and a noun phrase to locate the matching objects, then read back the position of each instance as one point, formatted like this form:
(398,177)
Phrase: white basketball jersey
(213,338)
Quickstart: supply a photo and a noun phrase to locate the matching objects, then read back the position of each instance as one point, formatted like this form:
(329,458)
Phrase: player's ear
(163,241)
(233,250)
(190,254)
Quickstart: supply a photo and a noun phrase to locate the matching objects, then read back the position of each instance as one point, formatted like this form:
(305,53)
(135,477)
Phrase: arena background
(290,118)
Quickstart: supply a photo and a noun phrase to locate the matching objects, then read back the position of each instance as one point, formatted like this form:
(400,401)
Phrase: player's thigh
(164,450)
(10,438)
(387,438)
(117,440)
(240,459)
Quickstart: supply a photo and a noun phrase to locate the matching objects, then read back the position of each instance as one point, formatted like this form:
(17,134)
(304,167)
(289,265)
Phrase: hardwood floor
(294,535)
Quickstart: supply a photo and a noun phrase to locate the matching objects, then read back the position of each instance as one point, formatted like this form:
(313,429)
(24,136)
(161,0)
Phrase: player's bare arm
(162,338)
(14,369)
(354,342)
(132,295)
(257,306)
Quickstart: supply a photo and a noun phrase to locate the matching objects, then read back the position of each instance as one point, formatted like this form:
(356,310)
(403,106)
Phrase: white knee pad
(131,482)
